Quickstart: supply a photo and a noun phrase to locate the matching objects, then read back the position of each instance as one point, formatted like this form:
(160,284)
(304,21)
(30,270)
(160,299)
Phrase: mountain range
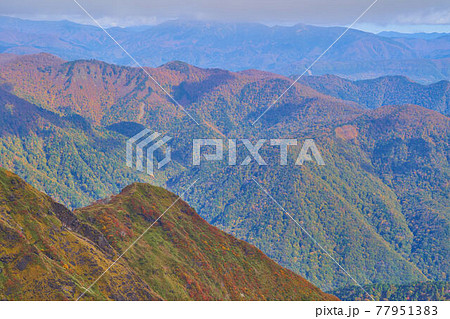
(380,205)
(285,50)
(387,90)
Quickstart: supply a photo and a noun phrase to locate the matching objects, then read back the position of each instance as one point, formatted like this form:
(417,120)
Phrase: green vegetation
(62,155)
(421,291)
(380,205)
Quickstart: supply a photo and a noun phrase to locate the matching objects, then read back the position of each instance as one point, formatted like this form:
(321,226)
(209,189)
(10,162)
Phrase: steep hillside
(183,257)
(409,148)
(391,90)
(47,252)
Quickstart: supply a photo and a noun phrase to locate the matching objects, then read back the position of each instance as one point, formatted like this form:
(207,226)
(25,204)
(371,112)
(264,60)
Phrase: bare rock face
(71,221)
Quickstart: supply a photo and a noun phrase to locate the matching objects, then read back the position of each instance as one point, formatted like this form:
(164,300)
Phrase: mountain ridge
(116,92)
(181,277)
(387,90)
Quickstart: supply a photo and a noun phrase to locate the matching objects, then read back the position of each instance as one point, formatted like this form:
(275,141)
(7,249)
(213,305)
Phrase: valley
(380,204)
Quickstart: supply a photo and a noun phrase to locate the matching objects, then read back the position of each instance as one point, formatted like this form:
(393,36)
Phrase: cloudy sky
(401,15)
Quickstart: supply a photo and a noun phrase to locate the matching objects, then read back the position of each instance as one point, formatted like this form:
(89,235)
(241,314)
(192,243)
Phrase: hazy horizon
(372,28)
(407,16)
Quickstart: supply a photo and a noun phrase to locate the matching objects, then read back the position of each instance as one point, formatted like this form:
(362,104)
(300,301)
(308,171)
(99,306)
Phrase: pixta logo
(144,141)
(148,143)
(309,146)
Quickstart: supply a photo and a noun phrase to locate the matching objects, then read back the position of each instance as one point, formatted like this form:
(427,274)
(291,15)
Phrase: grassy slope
(183,257)
(48,253)
(41,259)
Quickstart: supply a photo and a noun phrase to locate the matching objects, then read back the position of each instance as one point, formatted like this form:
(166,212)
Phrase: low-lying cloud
(323,12)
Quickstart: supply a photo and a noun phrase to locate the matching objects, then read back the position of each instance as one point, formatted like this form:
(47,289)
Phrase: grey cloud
(326,12)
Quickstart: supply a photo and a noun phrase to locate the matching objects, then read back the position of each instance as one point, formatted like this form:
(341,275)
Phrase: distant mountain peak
(285,50)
